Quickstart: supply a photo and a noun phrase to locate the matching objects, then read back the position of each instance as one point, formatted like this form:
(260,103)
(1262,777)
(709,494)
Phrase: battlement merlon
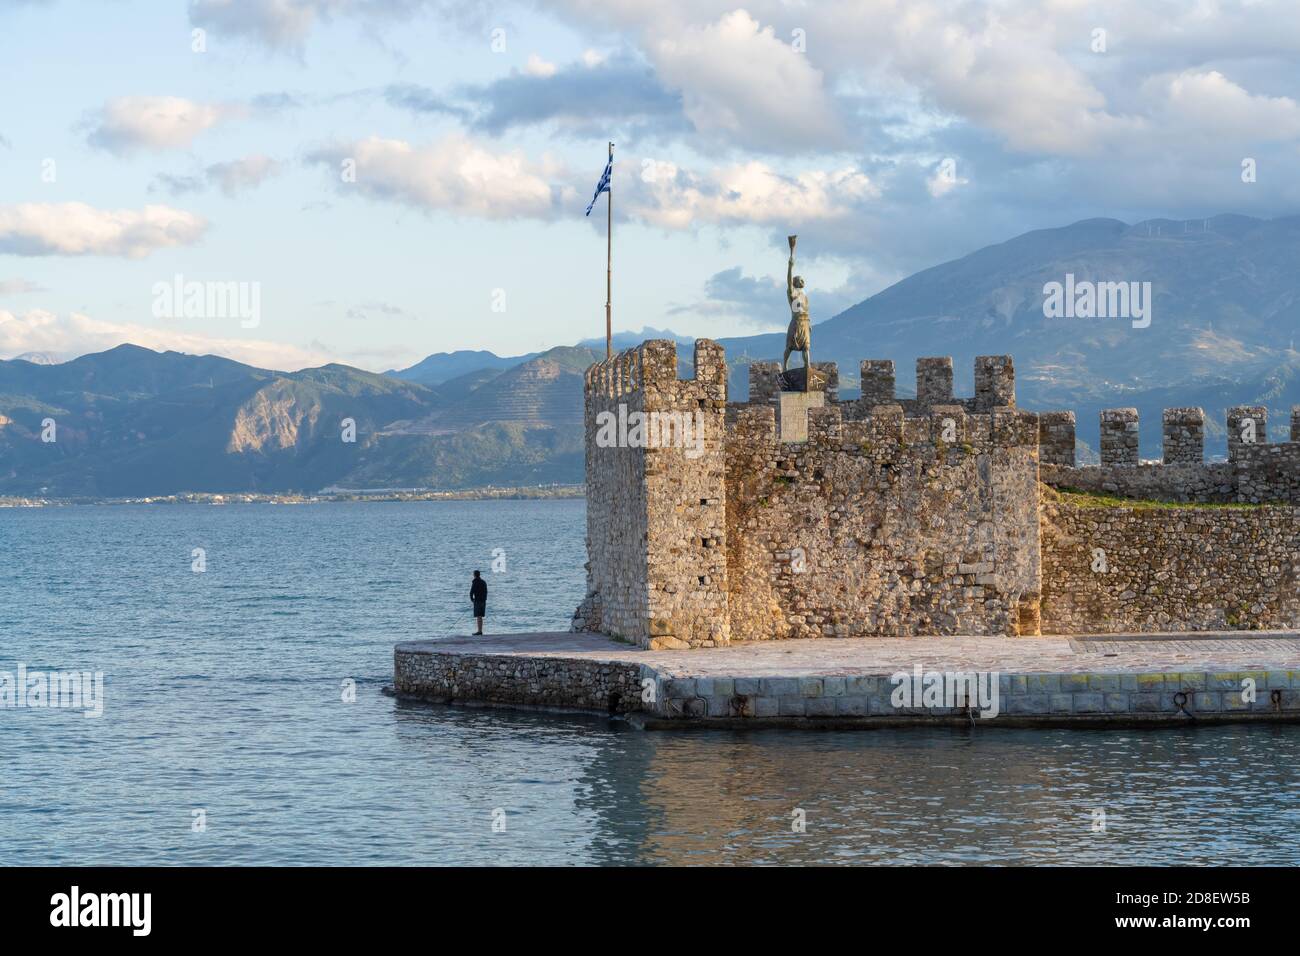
(650,369)
(1257,470)
(889,434)
(1182,433)
(995,384)
(1056,438)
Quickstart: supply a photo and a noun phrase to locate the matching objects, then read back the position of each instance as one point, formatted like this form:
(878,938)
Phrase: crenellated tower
(656,539)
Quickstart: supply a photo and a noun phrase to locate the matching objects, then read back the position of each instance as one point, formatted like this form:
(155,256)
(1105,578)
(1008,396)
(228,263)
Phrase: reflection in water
(1212,795)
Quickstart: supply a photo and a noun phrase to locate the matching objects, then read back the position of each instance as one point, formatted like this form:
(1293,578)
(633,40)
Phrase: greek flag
(603,185)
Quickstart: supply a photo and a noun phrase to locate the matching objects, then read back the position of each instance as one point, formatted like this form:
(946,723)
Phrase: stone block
(792,414)
(855,706)
(810,687)
(819,707)
(1144,702)
(1074,682)
(780,686)
(792,706)
(1029,704)
(679,687)
(1089,703)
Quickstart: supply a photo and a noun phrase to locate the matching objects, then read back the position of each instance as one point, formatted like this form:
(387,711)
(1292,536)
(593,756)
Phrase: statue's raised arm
(789,272)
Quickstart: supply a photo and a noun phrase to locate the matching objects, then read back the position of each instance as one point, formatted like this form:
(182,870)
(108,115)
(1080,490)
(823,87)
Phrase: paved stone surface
(1227,651)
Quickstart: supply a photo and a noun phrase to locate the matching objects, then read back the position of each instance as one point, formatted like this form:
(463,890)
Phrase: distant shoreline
(539,492)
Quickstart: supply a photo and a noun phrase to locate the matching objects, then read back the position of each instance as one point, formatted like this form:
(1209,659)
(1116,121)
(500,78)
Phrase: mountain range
(1224,311)
(134,422)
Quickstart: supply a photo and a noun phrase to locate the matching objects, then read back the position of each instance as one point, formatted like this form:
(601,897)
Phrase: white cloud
(276,23)
(1007,68)
(241,174)
(750,193)
(536,66)
(945,178)
(455,174)
(1212,105)
(738,80)
(460,176)
(286,24)
(156,122)
(75,334)
(993,69)
(77,229)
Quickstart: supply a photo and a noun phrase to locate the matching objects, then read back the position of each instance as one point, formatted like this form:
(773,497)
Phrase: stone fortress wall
(1116,569)
(804,516)
(1120,569)
(1256,471)
(894,517)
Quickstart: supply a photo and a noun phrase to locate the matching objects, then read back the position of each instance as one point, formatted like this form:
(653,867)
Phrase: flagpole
(609,257)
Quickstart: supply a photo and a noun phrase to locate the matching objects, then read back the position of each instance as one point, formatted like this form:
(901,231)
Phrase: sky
(384,179)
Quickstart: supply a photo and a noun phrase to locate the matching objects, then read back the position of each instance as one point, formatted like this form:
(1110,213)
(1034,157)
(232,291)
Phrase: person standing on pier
(478,594)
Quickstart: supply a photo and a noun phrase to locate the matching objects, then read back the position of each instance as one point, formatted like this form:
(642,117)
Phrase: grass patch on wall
(1085,499)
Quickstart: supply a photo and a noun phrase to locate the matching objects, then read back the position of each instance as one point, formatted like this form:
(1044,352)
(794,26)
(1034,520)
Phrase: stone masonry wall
(656,568)
(606,686)
(1257,470)
(881,527)
(1211,482)
(1115,569)
(616,601)
(685,501)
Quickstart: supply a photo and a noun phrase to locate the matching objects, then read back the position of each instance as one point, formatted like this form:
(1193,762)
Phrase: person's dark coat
(478,594)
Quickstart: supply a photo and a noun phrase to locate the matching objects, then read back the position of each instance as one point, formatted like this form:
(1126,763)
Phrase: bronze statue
(798,338)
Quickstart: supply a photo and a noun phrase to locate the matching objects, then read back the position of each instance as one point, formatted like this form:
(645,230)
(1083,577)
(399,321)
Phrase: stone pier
(1083,680)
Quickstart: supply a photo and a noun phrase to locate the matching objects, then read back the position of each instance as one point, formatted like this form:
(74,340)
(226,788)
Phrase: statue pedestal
(792,413)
